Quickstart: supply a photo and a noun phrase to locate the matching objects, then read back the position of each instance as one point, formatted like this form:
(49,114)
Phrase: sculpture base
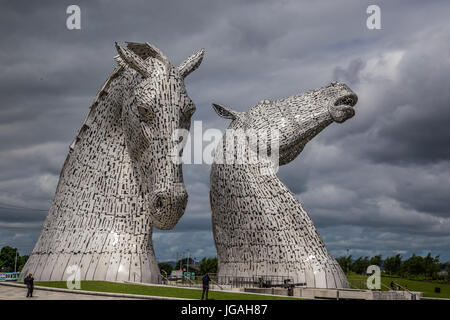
(92,266)
(330,277)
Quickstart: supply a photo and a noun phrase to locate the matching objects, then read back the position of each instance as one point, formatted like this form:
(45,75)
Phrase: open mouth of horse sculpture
(343,108)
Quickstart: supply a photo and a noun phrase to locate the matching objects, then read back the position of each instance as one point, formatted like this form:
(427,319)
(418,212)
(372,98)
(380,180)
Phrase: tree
(345,263)
(413,266)
(183,262)
(360,265)
(8,258)
(376,260)
(166,268)
(21,260)
(431,265)
(392,265)
(208,265)
(445,266)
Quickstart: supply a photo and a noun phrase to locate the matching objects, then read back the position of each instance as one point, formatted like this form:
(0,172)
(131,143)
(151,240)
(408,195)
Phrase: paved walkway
(18,293)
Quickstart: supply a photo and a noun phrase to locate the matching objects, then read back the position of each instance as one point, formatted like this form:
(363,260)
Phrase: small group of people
(29,281)
(394,286)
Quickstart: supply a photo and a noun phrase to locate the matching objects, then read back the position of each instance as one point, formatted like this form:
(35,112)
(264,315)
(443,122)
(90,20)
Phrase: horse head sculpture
(119,180)
(260,228)
(156,105)
(298,118)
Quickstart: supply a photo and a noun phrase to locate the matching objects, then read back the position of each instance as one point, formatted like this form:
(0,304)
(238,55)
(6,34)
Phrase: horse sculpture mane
(118,180)
(260,228)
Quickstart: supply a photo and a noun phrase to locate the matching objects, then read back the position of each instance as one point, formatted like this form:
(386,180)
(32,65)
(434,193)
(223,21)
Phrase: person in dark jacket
(29,281)
(206,279)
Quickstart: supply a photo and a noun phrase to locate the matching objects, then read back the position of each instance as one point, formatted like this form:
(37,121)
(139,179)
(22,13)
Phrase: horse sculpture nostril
(171,198)
(159,202)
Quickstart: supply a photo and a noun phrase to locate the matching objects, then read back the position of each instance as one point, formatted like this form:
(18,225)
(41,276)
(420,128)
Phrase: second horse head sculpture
(260,228)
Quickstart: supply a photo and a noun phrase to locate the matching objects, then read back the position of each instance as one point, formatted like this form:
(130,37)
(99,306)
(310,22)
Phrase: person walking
(29,281)
(206,279)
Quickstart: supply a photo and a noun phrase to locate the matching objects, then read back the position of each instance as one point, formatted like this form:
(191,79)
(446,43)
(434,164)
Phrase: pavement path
(19,293)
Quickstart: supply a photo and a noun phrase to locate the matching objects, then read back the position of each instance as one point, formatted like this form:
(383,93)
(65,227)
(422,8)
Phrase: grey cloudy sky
(378,184)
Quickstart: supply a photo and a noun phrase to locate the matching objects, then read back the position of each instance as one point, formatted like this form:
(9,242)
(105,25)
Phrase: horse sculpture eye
(187,114)
(145,111)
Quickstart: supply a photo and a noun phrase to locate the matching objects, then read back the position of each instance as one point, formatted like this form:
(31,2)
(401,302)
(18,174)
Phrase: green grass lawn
(104,286)
(359,281)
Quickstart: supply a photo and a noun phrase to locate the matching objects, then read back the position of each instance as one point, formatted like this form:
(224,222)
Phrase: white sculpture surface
(260,228)
(119,179)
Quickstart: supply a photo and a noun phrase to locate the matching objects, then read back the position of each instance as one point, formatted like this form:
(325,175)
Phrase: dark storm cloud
(11,215)
(361,241)
(418,108)
(377,184)
(350,74)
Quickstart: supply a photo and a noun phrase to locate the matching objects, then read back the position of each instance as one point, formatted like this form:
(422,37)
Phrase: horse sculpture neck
(262,230)
(100,201)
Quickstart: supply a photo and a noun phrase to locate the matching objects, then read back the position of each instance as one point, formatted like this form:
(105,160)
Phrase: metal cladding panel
(75,261)
(48,268)
(123,272)
(60,266)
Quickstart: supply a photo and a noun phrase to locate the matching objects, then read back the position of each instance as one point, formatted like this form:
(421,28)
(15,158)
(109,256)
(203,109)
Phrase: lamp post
(187,262)
(348,261)
(15,263)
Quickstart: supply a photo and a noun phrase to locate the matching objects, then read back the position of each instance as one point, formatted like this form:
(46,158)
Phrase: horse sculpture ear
(134,61)
(225,112)
(191,63)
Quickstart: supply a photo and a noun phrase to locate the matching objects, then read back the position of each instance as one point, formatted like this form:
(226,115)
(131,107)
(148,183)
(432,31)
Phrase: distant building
(176,274)
(442,274)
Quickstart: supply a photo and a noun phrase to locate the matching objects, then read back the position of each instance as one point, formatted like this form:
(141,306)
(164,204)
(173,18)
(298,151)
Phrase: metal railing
(228,281)
(263,281)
